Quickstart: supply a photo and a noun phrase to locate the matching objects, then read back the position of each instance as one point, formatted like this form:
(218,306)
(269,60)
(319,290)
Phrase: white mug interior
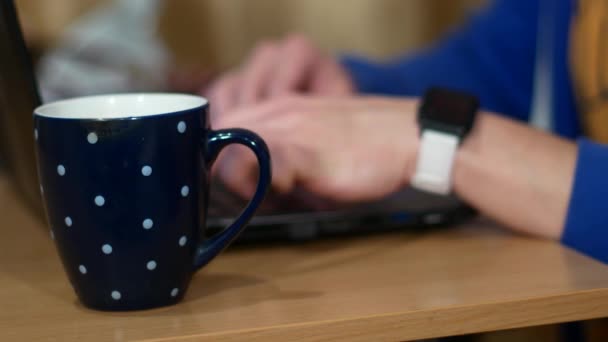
(118,106)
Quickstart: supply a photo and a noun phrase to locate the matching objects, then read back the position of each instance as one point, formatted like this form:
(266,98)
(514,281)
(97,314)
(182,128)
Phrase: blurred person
(345,129)
(113,48)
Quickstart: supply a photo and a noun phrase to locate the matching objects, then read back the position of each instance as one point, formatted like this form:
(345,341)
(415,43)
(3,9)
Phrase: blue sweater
(493,56)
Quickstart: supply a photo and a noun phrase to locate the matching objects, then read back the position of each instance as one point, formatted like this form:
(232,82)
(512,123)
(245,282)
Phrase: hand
(363,148)
(340,149)
(276,68)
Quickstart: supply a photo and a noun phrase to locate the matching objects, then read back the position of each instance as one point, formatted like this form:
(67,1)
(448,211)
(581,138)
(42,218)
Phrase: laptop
(278,219)
(18,97)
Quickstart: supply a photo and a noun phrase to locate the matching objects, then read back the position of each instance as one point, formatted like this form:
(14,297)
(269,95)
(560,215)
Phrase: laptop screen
(18,98)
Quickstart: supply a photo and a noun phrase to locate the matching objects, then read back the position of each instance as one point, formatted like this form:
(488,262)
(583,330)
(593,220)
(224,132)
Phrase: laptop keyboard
(225,203)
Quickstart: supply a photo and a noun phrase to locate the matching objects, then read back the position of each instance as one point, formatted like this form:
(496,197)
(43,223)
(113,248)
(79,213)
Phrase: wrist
(516,175)
(409,143)
(445,118)
(467,156)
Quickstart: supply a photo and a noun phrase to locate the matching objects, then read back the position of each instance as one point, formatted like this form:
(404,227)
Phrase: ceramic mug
(125,181)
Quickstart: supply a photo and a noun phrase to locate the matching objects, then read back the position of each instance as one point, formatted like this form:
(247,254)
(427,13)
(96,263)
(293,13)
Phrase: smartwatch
(445,118)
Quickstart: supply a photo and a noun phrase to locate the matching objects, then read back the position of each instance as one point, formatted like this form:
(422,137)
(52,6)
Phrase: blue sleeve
(492,56)
(586,227)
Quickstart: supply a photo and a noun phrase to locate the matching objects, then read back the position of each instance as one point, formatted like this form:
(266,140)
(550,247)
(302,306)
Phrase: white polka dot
(68,221)
(61,170)
(185,191)
(92,138)
(116,295)
(183,240)
(100,201)
(82,269)
(146,170)
(36,134)
(147,224)
(52,233)
(106,249)
(174,292)
(151,265)
(181,127)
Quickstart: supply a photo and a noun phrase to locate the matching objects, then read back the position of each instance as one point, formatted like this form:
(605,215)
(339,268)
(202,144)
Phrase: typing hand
(335,148)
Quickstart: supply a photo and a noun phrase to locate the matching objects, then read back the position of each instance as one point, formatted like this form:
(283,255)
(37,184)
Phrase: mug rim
(166,103)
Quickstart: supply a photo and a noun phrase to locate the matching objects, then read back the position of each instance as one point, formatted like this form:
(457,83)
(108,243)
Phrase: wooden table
(400,286)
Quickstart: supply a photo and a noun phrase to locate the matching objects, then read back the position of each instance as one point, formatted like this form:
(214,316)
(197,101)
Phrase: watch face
(449,108)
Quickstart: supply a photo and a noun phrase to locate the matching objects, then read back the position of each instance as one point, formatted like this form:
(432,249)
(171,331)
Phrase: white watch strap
(435,162)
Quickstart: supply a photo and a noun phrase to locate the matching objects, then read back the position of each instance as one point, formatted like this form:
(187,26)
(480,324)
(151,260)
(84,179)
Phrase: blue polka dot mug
(125,182)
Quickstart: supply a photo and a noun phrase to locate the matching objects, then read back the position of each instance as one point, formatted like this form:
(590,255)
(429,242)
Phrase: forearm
(517,175)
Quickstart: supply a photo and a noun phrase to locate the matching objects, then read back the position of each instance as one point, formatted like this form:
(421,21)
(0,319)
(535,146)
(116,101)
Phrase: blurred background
(220,32)
(135,44)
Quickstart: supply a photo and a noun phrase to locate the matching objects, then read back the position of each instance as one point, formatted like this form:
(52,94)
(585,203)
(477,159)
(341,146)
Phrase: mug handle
(216,141)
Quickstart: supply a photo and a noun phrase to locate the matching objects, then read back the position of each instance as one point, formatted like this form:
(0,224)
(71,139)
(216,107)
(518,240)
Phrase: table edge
(473,318)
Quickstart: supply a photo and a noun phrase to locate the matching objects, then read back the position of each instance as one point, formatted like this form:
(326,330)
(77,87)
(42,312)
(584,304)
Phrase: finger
(247,116)
(330,78)
(235,167)
(289,111)
(297,58)
(238,169)
(278,110)
(257,73)
(223,95)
